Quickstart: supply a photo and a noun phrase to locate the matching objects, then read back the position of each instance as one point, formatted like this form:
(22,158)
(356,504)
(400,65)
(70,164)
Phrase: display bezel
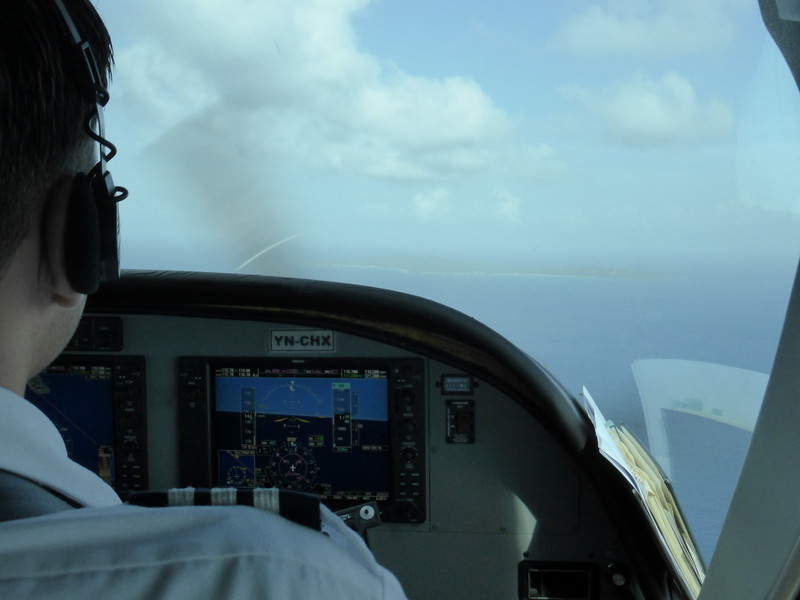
(406,410)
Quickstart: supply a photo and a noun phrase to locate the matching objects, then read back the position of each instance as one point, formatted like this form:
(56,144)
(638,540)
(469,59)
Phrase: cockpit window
(611,185)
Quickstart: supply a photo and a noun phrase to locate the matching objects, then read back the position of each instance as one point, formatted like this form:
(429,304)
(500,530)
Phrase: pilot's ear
(53,270)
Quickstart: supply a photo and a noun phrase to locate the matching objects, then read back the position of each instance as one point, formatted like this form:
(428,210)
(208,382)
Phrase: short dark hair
(42,112)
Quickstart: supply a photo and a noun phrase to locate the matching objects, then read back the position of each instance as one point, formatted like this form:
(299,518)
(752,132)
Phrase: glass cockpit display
(78,399)
(98,404)
(320,430)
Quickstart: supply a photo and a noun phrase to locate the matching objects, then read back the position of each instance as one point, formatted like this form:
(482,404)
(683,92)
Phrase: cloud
(417,112)
(507,206)
(662,28)
(661,111)
(288,78)
(432,205)
(158,90)
(262,120)
(498,204)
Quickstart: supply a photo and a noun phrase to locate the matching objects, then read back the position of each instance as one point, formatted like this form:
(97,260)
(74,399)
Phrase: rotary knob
(409,453)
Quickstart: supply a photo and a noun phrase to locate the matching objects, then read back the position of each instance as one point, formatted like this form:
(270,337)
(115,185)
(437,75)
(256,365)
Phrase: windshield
(610,185)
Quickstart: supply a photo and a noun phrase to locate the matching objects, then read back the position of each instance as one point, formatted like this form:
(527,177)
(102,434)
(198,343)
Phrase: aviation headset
(92,228)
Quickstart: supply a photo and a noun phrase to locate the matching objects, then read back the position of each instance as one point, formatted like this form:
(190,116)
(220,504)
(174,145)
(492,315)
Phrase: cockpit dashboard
(485,470)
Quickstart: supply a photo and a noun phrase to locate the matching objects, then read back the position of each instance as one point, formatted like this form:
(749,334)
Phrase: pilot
(63,531)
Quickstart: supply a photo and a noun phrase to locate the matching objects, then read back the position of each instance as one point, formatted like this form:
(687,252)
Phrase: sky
(533,134)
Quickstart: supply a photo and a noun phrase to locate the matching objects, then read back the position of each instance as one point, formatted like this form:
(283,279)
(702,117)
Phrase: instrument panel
(479,496)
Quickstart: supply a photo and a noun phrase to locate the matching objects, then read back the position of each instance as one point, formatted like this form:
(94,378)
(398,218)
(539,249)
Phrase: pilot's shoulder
(208,552)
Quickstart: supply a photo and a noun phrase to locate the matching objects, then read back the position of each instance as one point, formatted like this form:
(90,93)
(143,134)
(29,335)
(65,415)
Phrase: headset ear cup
(108,223)
(82,238)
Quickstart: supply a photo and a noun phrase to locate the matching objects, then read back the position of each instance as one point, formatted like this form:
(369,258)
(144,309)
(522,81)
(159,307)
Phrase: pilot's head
(47,108)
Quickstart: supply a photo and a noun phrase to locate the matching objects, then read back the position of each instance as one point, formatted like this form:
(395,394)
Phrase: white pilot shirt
(120,551)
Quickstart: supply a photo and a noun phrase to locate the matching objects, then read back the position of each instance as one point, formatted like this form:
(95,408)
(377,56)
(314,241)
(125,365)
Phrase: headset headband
(106,194)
